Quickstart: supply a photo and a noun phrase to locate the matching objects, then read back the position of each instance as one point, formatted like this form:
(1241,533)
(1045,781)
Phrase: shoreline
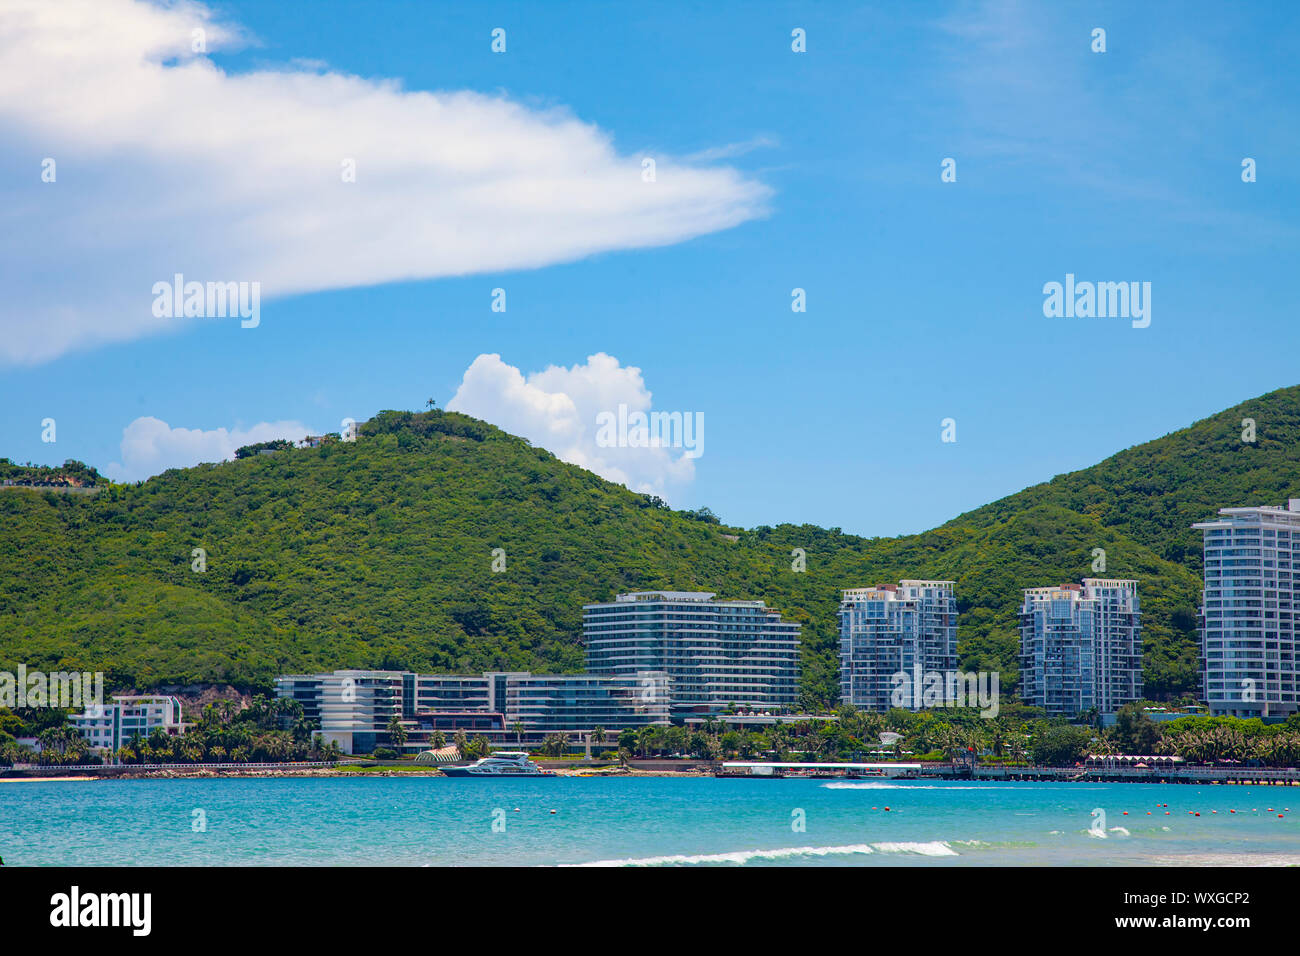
(201,773)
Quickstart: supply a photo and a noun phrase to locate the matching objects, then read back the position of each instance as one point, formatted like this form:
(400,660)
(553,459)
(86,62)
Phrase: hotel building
(1081,647)
(1248,625)
(714,653)
(893,630)
(356,706)
(110,726)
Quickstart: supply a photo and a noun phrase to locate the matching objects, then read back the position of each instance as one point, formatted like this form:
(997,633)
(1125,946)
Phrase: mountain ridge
(378,553)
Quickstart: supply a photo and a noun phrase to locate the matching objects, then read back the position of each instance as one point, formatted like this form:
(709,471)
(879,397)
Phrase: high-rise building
(714,653)
(890,631)
(1248,624)
(1081,647)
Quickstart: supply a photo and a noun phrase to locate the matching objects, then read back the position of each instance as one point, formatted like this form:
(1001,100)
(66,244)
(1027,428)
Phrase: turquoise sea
(646,821)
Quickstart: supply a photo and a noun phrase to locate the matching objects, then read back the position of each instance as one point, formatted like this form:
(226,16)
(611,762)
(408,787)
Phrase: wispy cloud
(731,150)
(166,164)
(1139,123)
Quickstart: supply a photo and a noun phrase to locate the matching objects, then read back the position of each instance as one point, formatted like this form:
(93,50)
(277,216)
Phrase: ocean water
(647,821)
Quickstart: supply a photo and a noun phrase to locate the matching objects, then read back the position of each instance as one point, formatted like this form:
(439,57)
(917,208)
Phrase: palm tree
(598,735)
(396,734)
(518,729)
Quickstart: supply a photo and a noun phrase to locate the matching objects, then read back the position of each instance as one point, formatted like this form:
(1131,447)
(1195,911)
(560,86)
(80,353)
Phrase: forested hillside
(379,553)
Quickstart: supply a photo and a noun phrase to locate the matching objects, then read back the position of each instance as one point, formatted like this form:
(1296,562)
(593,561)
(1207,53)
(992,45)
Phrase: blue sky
(924,297)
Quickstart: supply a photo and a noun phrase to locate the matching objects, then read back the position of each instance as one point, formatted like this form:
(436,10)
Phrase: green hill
(378,553)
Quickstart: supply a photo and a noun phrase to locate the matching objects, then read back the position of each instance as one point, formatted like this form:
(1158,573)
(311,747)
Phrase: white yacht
(502,763)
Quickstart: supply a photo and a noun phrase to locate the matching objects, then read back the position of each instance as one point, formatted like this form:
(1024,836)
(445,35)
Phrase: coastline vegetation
(269,730)
(1018,736)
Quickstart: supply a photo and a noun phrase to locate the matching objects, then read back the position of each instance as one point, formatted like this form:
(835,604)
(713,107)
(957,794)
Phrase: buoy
(1125,813)
(1198,813)
(886,808)
(552,811)
(1232,811)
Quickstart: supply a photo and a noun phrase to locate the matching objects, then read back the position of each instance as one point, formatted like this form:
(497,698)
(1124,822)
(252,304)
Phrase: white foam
(738,857)
(741,857)
(934,848)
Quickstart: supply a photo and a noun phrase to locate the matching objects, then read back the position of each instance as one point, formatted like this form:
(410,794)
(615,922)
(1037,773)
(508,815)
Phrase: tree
(396,733)
(1135,732)
(1060,746)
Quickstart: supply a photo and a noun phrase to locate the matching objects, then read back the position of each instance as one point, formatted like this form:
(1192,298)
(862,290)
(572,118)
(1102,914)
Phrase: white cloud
(557,409)
(150,446)
(167,164)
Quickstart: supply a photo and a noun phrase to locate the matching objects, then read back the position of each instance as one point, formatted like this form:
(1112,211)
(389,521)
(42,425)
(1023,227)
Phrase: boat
(501,763)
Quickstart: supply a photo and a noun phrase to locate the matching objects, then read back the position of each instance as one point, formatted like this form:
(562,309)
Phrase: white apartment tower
(1248,625)
(1081,647)
(891,630)
(713,652)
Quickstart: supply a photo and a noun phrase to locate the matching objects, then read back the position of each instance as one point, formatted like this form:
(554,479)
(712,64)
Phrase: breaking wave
(742,857)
